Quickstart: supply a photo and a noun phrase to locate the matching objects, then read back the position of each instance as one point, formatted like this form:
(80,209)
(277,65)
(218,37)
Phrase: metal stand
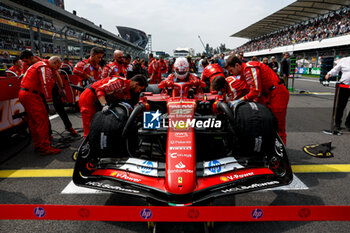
(332,130)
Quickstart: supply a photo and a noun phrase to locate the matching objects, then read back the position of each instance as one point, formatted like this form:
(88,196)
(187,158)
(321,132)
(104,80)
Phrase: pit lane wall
(325,43)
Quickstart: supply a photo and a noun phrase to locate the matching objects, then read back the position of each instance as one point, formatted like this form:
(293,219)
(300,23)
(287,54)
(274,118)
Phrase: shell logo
(223,178)
(180,126)
(114,174)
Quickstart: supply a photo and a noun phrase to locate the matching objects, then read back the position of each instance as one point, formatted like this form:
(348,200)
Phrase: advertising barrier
(174,214)
(313,71)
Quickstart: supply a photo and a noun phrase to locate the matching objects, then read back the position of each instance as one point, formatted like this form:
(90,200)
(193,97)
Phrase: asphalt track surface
(309,112)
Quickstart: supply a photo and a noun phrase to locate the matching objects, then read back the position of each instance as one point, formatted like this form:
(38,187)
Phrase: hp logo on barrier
(257,213)
(146,214)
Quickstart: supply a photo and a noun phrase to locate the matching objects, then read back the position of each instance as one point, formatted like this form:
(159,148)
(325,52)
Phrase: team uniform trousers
(88,107)
(38,120)
(266,88)
(277,102)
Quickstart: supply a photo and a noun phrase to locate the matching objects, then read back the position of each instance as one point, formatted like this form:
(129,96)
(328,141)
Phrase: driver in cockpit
(181,74)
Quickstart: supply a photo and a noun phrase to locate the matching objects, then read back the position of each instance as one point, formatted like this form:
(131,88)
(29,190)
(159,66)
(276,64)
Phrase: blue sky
(178,23)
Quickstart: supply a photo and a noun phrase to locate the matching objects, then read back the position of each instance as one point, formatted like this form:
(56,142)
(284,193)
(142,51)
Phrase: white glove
(105,108)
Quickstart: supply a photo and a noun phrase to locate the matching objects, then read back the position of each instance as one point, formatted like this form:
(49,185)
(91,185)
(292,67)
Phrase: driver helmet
(181,68)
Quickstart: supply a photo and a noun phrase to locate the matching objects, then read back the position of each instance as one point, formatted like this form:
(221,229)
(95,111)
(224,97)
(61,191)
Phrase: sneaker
(49,150)
(72,132)
(337,127)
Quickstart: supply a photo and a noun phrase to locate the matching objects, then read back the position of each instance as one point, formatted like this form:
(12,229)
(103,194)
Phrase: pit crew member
(233,87)
(67,66)
(89,70)
(117,67)
(16,68)
(264,87)
(153,70)
(163,67)
(28,59)
(107,90)
(38,80)
(210,72)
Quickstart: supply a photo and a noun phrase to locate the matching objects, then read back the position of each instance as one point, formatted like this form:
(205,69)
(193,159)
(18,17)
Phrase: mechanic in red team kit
(38,80)
(153,70)
(233,86)
(264,87)
(163,67)
(28,59)
(110,88)
(117,67)
(210,72)
(67,66)
(181,74)
(88,70)
(17,68)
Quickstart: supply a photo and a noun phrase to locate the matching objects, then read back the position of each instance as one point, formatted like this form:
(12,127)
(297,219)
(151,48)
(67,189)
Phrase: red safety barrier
(175,214)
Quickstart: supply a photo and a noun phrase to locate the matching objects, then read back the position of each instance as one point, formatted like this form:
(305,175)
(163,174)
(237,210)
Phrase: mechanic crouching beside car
(104,92)
(263,86)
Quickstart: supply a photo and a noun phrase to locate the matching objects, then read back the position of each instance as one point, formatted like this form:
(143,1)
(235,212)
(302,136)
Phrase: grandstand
(309,29)
(133,35)
(48,29)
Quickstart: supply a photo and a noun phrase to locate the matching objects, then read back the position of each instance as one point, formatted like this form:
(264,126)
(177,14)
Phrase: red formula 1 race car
(182,147)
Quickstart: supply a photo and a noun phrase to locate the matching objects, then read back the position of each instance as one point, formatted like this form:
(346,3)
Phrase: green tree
(222,48)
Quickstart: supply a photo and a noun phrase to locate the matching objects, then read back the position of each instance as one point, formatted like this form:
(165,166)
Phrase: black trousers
(344,94)
(58,104)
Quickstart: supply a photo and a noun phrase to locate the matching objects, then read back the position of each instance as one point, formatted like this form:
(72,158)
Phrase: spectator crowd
(328,26)
(10,42)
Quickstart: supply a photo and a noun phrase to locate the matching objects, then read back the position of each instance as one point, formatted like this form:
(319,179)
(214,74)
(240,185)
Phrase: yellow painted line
(29,173)
(312,93)
(321,168)
(36,173)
